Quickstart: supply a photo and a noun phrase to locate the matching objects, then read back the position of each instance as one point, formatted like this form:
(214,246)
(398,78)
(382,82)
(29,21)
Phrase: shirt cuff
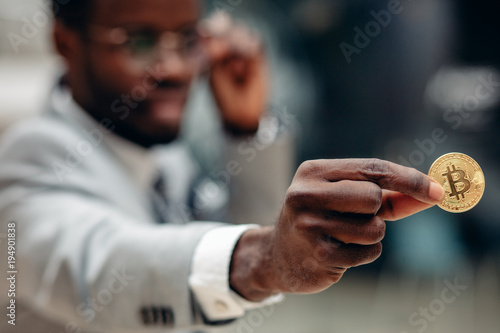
(209,279)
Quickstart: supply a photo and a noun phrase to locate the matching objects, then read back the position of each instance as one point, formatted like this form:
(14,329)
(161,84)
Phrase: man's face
(144,96)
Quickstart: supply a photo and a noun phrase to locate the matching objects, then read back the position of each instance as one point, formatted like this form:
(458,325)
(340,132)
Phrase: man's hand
(238,74)
(332,219)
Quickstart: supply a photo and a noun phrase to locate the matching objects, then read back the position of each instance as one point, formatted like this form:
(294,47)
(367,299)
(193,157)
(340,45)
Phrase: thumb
(396,206)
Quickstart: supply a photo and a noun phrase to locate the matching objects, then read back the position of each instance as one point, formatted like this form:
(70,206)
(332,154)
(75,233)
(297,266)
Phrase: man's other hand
(238,72)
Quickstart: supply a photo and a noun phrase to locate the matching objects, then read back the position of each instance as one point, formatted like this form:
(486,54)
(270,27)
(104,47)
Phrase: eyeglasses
(148,46)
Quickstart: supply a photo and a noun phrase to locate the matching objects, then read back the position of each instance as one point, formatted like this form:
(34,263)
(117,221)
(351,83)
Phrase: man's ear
(65,40)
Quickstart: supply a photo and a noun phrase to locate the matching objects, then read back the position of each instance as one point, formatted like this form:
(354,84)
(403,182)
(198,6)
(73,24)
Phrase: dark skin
(333,217)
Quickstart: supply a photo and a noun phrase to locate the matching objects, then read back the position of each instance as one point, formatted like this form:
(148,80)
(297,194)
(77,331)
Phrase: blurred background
(354,78)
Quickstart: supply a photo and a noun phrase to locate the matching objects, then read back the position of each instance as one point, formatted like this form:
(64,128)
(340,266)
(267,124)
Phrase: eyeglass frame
(164,41)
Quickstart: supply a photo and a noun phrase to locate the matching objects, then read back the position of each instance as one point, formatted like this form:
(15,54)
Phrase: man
(90,254)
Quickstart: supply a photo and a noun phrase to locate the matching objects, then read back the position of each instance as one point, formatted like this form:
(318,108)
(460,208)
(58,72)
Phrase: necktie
(159,198)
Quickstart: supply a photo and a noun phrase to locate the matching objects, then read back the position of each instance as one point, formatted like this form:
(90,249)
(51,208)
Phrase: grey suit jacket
(89,255)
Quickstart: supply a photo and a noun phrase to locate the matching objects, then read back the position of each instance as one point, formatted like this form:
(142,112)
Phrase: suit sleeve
(82,261)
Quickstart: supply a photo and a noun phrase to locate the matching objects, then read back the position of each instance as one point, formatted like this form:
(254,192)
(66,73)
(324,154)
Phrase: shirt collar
(139,161)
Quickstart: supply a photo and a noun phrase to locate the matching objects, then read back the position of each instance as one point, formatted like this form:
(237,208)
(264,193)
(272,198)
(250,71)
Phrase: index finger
(388,175)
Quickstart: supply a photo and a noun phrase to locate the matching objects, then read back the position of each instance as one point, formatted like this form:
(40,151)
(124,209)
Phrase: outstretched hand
(333,218)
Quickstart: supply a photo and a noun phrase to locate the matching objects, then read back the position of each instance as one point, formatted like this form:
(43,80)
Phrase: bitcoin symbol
(447,172)
(453,182)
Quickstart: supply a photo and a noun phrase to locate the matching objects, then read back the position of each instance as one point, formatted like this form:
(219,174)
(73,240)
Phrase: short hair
(74,14)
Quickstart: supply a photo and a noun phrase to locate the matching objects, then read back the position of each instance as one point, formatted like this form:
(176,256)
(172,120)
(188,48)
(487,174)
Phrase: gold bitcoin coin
(462,180)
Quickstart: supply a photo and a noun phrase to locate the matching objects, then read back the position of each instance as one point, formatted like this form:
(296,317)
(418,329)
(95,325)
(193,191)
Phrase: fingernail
(436,191)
